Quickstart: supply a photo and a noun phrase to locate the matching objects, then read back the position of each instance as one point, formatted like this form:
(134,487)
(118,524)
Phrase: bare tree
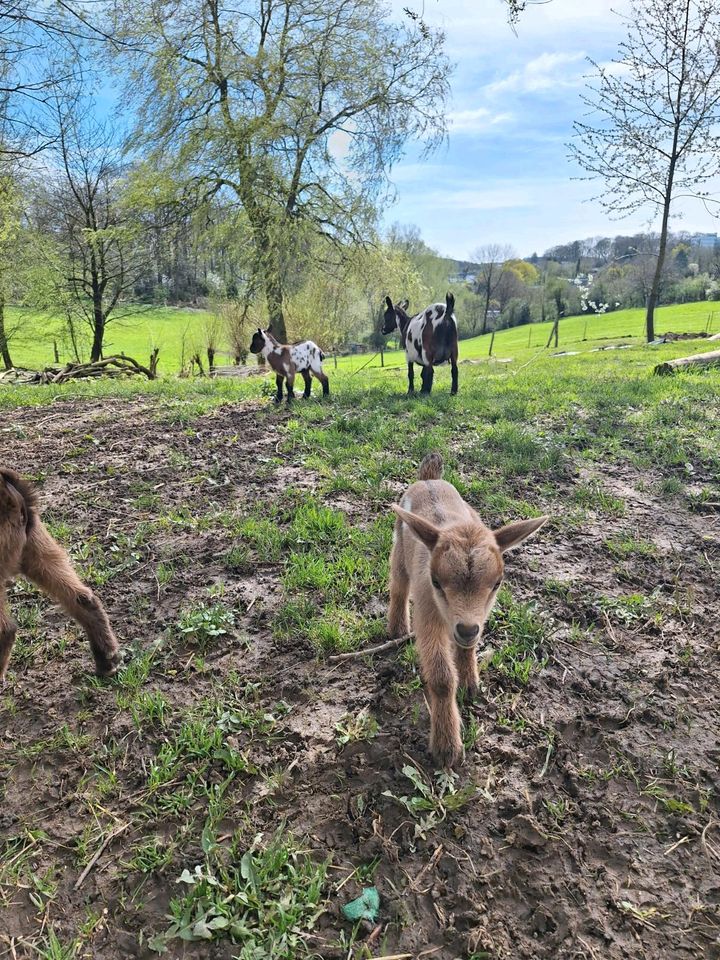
(103,249)
(489,277)
(40,51)
(657,106)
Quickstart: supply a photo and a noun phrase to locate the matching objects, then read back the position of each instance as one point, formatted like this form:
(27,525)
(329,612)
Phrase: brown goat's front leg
(467,668)
(7,635)
(398,612)
(48,566)
(441,681)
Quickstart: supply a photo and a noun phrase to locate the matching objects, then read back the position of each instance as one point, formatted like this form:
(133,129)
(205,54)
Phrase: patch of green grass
(625,545)
(338,630)
(592,496)
(262,898)
(350,729)
(203,623)
(151,855)
(238,559)
(51,947)
(149,709)
(627,609)
(670,804)
(671,486)
(432,800)
(520,634)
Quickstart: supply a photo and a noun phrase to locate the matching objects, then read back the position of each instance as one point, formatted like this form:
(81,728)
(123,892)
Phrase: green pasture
(182,330)
(136,335)
(587,437)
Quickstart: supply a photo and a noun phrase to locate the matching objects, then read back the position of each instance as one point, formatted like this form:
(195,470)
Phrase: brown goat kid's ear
(513,534)
(425,531)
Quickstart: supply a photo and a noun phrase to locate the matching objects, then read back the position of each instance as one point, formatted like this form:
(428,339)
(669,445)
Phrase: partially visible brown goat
(450,564)
(26,548)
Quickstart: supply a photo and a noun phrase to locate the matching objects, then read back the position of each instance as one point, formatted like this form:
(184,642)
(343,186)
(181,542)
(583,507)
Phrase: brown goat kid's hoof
(448,756)
(111,666)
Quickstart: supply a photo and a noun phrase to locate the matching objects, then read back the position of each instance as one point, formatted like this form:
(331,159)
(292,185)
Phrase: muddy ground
(596,829)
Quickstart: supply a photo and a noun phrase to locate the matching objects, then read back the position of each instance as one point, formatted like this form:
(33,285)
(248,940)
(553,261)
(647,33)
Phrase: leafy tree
(296,109)
(516,313)
(10,226)
(680,258)
(526,272)
(658,107)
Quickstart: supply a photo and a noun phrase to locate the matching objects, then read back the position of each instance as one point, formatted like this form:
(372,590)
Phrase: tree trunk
(98,337)
(4,348)
(554,332)
(486,309)
(274,300)
(654,294)
(699,360)
(98,323)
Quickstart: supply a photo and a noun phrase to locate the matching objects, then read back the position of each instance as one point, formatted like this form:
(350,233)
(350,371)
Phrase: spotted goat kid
(286,360)
(450,564)
(28,550)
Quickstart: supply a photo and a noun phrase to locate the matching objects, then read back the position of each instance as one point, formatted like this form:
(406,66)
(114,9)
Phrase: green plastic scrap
(365,907)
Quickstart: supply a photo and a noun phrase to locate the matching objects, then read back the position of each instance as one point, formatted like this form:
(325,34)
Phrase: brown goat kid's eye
(436,584)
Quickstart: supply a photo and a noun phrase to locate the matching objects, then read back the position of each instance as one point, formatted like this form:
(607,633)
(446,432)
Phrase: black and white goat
(429,338)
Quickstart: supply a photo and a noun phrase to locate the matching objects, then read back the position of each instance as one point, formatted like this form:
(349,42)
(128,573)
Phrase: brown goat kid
(27,549)
(451,565)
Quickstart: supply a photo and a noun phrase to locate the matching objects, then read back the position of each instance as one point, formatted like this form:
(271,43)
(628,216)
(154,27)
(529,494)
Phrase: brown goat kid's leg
(7,635)
(398,612)
(324,381)
(441,682)
(467,668)
(47,565)
(289,384)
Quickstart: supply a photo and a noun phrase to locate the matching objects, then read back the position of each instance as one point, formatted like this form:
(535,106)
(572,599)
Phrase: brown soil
(597,831)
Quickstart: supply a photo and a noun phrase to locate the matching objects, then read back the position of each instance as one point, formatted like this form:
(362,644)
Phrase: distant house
(458,279)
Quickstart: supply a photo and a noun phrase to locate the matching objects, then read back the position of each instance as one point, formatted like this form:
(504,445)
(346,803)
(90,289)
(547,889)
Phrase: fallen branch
(114,366)
(711,359)
(368,651)
(96,856)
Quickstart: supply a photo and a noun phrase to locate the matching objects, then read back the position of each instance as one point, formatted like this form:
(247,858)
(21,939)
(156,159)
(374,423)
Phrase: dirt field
(585,822)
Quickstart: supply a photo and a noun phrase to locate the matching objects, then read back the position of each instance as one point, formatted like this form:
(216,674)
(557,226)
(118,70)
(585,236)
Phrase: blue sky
(504,176)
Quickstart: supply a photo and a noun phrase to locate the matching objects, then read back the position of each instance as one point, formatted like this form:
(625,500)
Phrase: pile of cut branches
(116,366)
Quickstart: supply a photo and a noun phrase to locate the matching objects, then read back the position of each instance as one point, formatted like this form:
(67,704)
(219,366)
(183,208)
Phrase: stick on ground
(367,651)
(96,856)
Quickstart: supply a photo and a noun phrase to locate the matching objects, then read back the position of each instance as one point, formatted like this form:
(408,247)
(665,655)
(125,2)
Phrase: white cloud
(477,196)
(339,143)
(548,72)
(479,120)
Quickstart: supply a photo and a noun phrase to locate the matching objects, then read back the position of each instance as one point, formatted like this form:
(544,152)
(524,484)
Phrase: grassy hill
(174,329)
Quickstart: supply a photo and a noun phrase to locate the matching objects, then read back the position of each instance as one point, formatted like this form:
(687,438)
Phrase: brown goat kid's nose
(468,631)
